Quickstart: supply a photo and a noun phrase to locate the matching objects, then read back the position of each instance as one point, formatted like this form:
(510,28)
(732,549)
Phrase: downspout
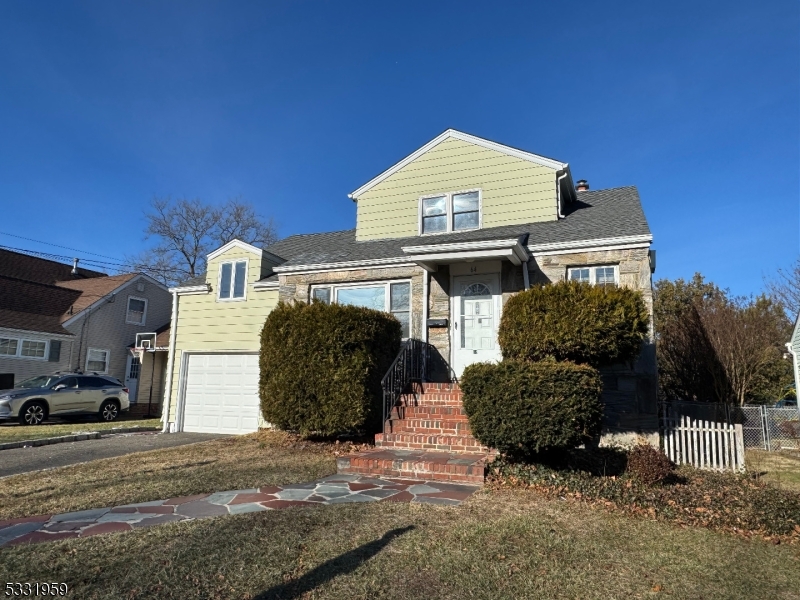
(425,279)
(796,371)
(558,191)
(525,277)
(173,334)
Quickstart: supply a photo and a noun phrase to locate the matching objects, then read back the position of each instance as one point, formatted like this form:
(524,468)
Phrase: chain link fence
(764,427)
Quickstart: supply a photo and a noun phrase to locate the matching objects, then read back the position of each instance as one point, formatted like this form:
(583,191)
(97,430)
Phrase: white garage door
(221,393)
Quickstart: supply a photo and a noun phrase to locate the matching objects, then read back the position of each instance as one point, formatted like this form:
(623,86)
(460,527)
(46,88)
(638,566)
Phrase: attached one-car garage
(221,393)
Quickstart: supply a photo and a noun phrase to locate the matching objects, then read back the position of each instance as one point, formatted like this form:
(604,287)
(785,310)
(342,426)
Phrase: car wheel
(109,411)
(33,413)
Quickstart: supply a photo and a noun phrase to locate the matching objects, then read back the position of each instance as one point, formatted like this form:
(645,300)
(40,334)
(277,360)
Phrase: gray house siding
(104,327)
(56,358)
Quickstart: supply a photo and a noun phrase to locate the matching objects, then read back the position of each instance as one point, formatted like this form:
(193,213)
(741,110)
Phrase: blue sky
(293,105)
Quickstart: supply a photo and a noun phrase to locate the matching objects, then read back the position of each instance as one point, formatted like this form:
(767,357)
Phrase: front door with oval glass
(477,313)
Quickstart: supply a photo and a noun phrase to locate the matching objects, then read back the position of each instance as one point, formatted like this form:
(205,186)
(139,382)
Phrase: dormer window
(453,211)
(232,279)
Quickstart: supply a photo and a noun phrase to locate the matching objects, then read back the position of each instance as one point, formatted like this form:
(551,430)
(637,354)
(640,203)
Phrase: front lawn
(240,462)
(781,469)
(510,544)
(14,432)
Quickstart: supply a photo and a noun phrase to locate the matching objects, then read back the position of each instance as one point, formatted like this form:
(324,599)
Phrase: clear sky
(293,105)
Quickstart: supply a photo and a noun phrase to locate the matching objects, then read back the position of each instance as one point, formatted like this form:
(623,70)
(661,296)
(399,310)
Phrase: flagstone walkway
(334,489)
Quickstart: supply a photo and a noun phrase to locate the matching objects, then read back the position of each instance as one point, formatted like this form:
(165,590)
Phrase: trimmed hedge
(574,321)
(522,408)
(322,364)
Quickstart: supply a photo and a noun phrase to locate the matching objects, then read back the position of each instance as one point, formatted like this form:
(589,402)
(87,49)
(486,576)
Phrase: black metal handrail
(409,366)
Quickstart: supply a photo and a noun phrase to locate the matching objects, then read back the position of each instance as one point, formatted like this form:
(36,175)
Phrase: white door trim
(455,311)
(183,374)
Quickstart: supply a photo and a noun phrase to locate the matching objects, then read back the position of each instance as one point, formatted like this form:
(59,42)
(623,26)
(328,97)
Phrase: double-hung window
(20,348)
(605,275)
(97,360)
(232,280)
(453,211)
(137,310)
(391,297)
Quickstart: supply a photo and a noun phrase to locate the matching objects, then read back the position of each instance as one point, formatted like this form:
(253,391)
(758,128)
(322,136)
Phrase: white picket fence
(703,444)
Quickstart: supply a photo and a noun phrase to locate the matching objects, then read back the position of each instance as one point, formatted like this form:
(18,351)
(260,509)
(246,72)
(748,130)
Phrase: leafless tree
(785,287)
(187,230)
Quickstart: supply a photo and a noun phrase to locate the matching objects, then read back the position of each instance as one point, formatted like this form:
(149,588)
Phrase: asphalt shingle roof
(600,214)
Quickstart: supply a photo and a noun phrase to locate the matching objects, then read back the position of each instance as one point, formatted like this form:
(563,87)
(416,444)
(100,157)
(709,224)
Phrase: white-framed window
(232,280)
(22,348)
(389,296)
(97,360)
(137,310)
(604,275)
(450,211)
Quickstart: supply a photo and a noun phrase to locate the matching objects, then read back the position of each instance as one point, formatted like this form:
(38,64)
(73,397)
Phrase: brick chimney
(582,186)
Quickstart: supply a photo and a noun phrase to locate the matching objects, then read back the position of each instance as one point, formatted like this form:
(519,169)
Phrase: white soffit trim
(602,243)
(235,244)
(190,290)
(269,285)
(511,248)
(464,137)
(382,262)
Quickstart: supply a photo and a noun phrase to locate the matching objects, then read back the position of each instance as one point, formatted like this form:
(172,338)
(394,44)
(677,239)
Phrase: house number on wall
(473,269)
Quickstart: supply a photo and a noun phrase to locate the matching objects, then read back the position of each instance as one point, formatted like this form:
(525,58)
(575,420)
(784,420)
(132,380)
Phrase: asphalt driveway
(23,460)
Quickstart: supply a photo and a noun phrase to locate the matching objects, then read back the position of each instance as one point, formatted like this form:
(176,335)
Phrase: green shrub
(574,321)
(322,364)
(649,464)
(522,408)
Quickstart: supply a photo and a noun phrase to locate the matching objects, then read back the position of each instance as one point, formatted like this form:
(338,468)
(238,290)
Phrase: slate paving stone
(238,509)
(300,486)
(122,517)
(351,498)
(220,498)
(334,494)
(81,515)
(158,520)
(14,531)
(340,477)
(329,489)
(67,526)
(422,489)
(157,510)
(247,491)
(285,503)
(269,489)
(294,494)
(200,510)
(18,520)
(123,509)
(184,499)
(141,504)
(357,487)
(378,493)
(249,498)
(399,497)
(105,528)
(315,498)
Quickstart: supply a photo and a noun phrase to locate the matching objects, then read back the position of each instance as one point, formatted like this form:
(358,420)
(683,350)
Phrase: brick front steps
(415,464)
(427,436)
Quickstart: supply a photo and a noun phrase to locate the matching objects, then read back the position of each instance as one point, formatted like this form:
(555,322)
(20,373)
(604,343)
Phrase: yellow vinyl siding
(205,324)
(513,190)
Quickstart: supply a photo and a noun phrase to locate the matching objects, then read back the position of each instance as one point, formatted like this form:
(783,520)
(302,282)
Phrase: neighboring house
(442,239)
(793,346)
(58,317)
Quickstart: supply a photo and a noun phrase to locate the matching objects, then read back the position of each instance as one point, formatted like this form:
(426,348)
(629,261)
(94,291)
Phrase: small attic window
(232,280)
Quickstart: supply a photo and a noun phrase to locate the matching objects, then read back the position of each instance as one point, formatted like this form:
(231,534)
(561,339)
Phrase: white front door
(476,315)
(132,370)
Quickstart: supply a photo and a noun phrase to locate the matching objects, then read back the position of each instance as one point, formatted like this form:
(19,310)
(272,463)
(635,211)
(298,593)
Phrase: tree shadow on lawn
(341,565)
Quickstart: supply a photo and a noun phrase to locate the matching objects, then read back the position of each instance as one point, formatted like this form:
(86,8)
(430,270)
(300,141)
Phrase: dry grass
(777,468)
(232,463)
(13,432)
(497,545)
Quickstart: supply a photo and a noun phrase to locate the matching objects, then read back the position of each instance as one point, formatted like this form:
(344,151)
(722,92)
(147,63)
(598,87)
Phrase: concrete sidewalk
(334,489)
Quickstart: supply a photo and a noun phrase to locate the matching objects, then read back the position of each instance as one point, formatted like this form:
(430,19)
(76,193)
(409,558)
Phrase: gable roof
(41,270)
(598,217)
(464,137)
(92,290)
(34,306)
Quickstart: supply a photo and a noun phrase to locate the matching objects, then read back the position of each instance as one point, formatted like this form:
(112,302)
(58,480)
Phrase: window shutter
(55,351)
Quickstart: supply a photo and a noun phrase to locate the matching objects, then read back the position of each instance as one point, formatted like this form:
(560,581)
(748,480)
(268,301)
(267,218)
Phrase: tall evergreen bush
(322,364)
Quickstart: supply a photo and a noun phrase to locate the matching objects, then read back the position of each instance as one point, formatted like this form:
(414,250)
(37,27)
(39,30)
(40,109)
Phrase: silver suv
(64,394)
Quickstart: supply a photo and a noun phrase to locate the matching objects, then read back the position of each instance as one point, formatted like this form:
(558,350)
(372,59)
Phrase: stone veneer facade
(629,393)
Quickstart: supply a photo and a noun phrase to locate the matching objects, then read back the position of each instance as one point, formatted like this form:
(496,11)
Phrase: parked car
(64,394)
(786,403)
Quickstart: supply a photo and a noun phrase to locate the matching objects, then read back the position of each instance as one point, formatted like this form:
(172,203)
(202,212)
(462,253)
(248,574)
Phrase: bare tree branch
(785,287)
